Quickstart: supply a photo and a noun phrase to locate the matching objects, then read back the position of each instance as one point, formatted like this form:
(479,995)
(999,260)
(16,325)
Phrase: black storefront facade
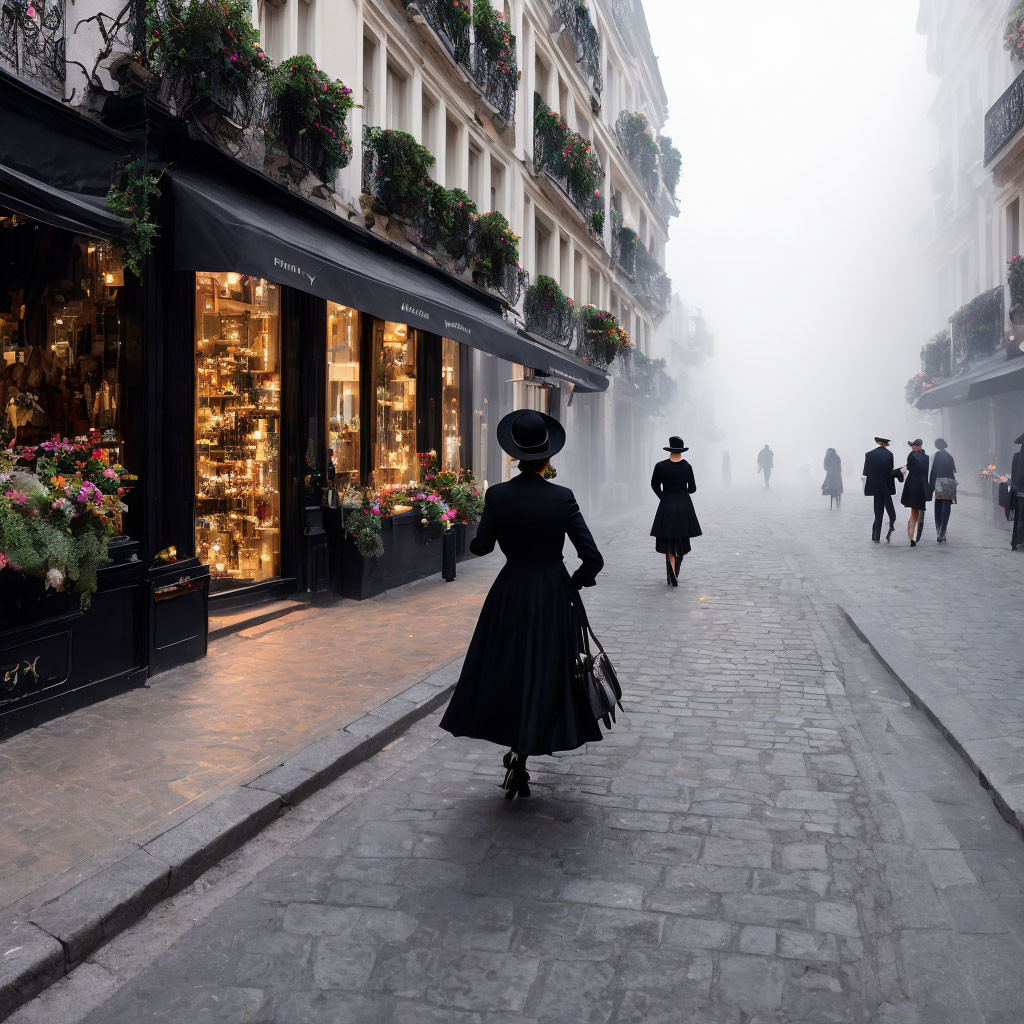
(272,355)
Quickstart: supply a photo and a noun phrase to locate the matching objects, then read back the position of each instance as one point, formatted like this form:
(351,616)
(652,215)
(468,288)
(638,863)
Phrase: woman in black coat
(676,521)
(517,686)
(942,484)
(833,485)
(916,492)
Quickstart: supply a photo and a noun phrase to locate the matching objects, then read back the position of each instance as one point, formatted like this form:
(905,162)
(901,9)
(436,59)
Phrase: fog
(806,145)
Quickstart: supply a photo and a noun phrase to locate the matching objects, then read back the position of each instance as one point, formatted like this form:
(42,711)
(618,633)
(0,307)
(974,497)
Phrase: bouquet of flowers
(59,505)
(361,515)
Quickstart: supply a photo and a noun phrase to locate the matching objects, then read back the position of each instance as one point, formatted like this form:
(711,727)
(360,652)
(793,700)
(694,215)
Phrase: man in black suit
(880,485)
(1017,496)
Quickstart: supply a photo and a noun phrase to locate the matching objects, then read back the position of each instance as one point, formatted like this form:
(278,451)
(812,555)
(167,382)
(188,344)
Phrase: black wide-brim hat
(675,444)
(941,444)
(528,434)
(883,440)
(1020,440)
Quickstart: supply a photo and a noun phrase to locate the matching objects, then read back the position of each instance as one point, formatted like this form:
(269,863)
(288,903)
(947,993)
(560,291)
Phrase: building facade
(338,248)
(971,369)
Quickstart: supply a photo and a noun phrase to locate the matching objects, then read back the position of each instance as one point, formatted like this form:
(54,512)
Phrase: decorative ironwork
(977,328)
(450,22)
(32,45)
(591,351)
(1004,119)
(547,320)
(497,81)
(124,41)
(654,285)
(625,245)
(510,283)
(576,181)
(585,40)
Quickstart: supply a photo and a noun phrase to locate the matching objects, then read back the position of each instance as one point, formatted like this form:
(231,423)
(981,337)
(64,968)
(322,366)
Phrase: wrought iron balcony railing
(625,246)
(577,179)
(509,284)
(32,45)
(585,41)
(498,82)
(653,284)
(450,23)
(1004,119)
(548,320)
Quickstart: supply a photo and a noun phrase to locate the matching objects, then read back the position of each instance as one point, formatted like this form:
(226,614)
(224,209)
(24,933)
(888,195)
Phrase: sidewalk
(86,790)
(944,618)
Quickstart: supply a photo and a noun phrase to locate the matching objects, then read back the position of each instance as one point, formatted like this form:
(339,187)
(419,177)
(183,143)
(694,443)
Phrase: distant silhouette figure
(833,485)
(1017,495)
(726,469)
(765,464)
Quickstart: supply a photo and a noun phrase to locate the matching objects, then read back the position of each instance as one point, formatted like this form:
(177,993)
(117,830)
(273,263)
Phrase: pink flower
(3,560)
(18,497)
(110,474)
(30,11)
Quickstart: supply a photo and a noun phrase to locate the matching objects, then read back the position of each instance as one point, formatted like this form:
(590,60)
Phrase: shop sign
(295,269)
(33,666)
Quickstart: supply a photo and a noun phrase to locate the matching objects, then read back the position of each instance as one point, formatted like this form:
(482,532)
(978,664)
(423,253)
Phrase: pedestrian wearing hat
(675,521)
(942,483)
(765,464)
(916,492)
(1017,496)
(880,485)
(517,686)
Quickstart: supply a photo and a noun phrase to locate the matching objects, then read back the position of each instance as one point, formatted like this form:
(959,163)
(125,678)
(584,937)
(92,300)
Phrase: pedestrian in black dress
(1017,496)
(942,484)
(833,485)
(765,464)
(517,687)
(916,492)
(675,521)
(880,485)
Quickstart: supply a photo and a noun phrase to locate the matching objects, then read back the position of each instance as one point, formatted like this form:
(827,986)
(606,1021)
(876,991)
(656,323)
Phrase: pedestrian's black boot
(668,570)
(891,531)
(876,535)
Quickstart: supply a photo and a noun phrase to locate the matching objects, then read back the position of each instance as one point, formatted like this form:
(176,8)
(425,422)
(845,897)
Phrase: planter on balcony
(586,43)
(450,23)
(567,158)
(548,312)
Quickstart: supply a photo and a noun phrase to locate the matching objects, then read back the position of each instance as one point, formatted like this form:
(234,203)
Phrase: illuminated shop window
(343,419)
(451,427)
(238,428)
(62,331)
(394,379)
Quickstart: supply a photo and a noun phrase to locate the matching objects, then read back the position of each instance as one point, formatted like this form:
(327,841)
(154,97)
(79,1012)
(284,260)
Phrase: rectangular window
(238,433)
(272,29)
(307,26)
(452,168)
(397,86)
(343,419)
(429,123)
(1013,229)
(475,168)
(451,421)
(372,114)
(394,380)
(497,196)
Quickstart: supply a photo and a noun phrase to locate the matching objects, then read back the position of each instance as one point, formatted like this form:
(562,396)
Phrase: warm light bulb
(108,278)
(234,278)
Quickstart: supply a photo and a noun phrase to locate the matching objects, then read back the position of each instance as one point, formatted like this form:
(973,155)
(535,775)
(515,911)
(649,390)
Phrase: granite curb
(59,935)
(989,748)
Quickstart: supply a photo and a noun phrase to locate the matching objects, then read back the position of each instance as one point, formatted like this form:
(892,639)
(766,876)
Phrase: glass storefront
(343,418)
(61,335)
(394,427)
(238,436)
(451,414)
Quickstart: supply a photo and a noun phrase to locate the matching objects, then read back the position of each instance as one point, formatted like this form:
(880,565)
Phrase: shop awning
(1008,377)
(86,215)
(218,228)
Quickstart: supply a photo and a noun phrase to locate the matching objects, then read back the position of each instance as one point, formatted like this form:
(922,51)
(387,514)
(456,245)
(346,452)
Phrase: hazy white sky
(806,145)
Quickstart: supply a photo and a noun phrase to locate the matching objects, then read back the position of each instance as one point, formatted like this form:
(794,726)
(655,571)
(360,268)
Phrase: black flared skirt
(674,524)
(517,687)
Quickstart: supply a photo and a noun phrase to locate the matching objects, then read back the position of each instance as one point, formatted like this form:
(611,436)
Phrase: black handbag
(595,672)
(1005,494)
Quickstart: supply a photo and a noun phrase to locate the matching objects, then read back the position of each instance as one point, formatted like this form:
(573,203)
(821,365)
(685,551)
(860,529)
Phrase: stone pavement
(87,789)
(946,617)
(772,834)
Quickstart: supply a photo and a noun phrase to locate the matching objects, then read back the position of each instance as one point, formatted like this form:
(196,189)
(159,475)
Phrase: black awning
(1008,377)
(86,215)
(218,228)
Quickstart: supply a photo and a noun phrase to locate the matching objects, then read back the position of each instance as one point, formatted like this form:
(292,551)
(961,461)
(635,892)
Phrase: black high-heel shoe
(891,531)
(517,778)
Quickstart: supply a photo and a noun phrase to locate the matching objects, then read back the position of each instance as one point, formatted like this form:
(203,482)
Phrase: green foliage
(1013,39)
(597,222)
(917,386)
(402,176)
(495,38)
(604,337)
(132,197)
(545,294)
(448,217)
(980,323)
(310,104)
(566,153)
(361,516)
(198,41)
(1015,278)
(494,246)
(671,164)
(638,143)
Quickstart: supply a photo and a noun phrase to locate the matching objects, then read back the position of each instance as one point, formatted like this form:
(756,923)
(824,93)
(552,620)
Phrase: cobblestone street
(772,833)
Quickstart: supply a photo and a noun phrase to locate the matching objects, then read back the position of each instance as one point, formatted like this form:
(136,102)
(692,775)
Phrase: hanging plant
(1013,38)
(312,107)
(605,339)
(671,161)
(935,356)
(638,143)
(567,154)
(399,171)
(545,295)
(361,515)
(205,45)
(597,222)
(495,39)
(132,197)
(494,247)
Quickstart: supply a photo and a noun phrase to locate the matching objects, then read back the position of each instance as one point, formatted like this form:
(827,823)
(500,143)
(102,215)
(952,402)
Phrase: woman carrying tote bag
(530,681)
(943,485)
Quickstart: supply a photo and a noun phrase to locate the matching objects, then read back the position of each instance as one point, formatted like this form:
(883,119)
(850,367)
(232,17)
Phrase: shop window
(61,335)
(343,419)
(394,381)
(238,428)
(451,425)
